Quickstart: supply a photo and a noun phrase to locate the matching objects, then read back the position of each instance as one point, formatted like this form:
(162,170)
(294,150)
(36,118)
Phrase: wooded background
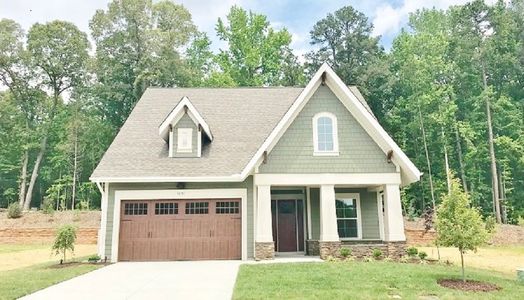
(450,91)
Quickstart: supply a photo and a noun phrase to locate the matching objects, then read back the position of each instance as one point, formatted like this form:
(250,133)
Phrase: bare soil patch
(73,264)
(468,285)
(37,219)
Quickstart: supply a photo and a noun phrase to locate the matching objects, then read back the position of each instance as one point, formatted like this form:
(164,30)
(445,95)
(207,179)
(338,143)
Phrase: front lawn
(362,280)
(19,282)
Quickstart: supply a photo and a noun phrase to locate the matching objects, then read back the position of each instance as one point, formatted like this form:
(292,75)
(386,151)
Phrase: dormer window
(185,130)
(325,134)
(184,140)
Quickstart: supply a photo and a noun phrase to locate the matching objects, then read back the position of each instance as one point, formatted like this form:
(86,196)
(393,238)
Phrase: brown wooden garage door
(180,230)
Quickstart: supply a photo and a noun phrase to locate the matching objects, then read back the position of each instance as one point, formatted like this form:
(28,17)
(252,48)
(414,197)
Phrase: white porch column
(328,214)
(393,220)
(264,232)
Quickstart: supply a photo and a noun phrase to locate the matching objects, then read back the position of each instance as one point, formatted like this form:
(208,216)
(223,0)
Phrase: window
(229,207)
(348,216)
(325,136)
(135,209)
(197,208)
(185,140)
(168,208)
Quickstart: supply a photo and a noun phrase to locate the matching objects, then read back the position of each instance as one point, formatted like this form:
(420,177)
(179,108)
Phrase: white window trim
(344,196)
(149,195)
(316,151)
(179,132)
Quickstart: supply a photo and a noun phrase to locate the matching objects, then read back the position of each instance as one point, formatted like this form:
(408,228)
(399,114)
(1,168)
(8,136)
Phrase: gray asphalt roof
(240,119)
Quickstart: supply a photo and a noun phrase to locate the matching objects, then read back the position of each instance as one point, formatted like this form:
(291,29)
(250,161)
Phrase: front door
(288,225)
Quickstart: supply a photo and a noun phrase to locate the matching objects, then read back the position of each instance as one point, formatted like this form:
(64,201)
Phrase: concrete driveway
(149,280)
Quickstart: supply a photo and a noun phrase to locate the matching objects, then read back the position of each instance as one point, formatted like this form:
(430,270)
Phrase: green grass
(11,248)
(362,280)
(19,282)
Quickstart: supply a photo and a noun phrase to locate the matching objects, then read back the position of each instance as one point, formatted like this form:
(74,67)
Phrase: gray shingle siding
(294,151)
(185,122)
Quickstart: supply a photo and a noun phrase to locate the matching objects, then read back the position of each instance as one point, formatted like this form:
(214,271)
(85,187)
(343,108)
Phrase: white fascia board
(371,179)
(410,173)
(232,178)
(177,113)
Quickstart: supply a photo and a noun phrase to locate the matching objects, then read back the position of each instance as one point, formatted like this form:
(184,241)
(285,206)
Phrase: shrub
(48,206)
(64,240)
(490,224)
(345,252)
(93,258)
(377,253)
(422,255)
(411,213)
(14,211)
(412,251)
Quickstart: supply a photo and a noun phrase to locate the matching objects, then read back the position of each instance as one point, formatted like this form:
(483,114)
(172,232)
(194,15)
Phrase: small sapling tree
(459,225)
(64,241)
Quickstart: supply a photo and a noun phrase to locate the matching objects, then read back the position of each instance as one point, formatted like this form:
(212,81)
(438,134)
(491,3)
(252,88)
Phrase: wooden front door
(288,225)
(180,230)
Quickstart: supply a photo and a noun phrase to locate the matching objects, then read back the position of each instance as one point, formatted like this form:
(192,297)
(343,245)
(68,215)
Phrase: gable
(358,152)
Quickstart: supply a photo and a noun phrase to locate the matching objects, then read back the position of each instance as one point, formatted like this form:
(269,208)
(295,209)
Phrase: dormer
(182,129)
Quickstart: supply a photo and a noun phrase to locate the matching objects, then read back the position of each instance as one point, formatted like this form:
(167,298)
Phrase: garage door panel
(180,230)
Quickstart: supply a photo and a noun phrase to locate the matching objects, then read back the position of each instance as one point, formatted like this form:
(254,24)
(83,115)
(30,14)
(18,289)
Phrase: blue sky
(388,16)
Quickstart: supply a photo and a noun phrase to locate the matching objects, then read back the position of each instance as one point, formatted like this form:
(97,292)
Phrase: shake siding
(185,122)
(294,151)
(368,209)
(247,184)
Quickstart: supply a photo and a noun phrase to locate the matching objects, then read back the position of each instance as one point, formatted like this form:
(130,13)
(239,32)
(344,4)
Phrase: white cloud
(388,20)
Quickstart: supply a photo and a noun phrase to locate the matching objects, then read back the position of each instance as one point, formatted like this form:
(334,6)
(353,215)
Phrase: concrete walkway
(149,280)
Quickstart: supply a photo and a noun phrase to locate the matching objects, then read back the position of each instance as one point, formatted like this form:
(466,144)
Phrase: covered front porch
(317,214)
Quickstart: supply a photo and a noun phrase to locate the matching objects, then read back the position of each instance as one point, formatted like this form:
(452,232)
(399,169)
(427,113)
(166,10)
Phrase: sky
(388,16)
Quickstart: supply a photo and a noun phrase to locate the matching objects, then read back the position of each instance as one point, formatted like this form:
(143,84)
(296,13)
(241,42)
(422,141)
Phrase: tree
(64,241)
(256,53)
(138,44)
(459,225)
(59,52)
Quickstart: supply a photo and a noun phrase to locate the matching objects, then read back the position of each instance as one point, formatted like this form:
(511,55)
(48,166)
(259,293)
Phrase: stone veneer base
(312,248)
(394,250)
(264,250)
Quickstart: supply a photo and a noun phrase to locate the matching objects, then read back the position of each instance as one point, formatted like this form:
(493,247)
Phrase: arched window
(325,136)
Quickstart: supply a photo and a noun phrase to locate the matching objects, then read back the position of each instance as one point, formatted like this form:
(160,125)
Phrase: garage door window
(135,209)
(169,208)
(197,208)
(229,207)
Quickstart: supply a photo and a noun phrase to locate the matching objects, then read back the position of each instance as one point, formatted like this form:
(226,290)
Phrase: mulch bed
(469,285)
(75,263)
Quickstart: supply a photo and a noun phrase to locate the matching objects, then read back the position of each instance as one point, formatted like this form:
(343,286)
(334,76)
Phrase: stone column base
(264,250)
(312,247)
(396,249)
(328,249)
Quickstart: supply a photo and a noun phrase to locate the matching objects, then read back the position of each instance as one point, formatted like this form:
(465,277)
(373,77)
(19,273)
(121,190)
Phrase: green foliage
(490,224)
(93,258)
(345,252)
(377,253)
(422,255)
(412,251)
(14,211)
(458,224)
(48,206)
(64,241)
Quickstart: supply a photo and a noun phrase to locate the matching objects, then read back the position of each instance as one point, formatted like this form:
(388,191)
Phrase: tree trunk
(462,264)
(427,158)
(461,161)
(75,165)
(446,160)
(34,175)
(23,180)
(494,176)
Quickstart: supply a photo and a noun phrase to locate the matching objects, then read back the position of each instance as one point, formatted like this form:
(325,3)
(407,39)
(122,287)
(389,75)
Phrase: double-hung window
(348,216)
(325,135)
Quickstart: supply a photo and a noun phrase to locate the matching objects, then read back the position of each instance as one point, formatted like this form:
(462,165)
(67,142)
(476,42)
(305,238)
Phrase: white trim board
(320,179)
(176,194)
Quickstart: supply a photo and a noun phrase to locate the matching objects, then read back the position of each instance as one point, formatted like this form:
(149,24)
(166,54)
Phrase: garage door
(180,230)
